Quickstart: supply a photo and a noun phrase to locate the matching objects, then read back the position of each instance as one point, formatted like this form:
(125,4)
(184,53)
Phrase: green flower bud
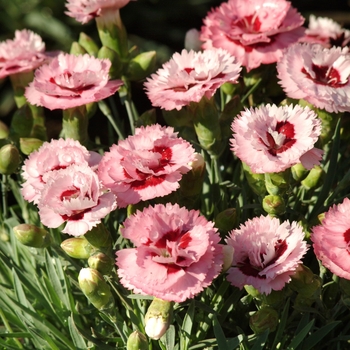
(226,220)
(305,282)
(157,318)
(274,205)
(88,44)
(22,121)
(298,172)
(76,49)
(28,145)
(32,236)
(277,183)
(116,67)
(180,118)
(314,178)
(147,118)
(255,181)
(100,237)
(9,159)
(96,289)
(101,262)
(75,124)
(39,132)
(4,130)
(141,66)
(78,248)
(137,341)
(227,252)
(263,319)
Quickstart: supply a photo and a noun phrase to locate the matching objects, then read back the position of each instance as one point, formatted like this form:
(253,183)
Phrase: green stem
(4,190)
(107,112)
(75,124)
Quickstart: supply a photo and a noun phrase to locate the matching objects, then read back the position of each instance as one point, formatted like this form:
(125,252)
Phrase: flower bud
(39,132)
(4,130)
(9,159)
(313,178)
(277,183)
(101,262)
(148,117)
(95,289)
(78,247)
(137,341)
(274,205)
(116,66)
(142,65)
(305,282)
(263,319)
(227,252)
(192,41)
(157,318)
(226,220)
(255,181)
(88,44)
(28,145)
(22,121)
(298,172)
(100,237)
(180,118)
(77,49)
(32,236)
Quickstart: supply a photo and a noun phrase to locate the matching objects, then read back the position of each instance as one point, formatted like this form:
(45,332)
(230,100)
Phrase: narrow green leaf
(77,338)
(300,336)
(170,338)
(219,334)
(260,341)
(282,325)
(185,336)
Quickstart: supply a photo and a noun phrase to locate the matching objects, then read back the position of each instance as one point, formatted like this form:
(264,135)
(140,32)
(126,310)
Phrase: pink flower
(327,32)
(331,239)
(177,253)
(22,54)
(50,157)
(189,76)
(266,253)
(74,195)
(85,10)
(272,139)
(318,75)
(254,31)
(71,81)
(146,165)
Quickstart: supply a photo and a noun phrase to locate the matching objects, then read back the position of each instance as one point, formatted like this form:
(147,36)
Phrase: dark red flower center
(76,214)
(325,75)
(346,235)
(250,24)
(287,130)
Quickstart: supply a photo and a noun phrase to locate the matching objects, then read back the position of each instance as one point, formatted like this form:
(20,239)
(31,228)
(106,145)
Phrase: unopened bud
(28,145)
(227,252)
(76,49)
(313,178)
(4,130)
(95,289)
(88,44)
(9,159)
(299,172)
(100,237)
(226,220)
(141,66)
(274,205)
(32,236)
(137,341)
(263,319)
(192,41)
(277,183)
(305,282)
(255,181)
(158,318)
(77,247)
(22,121)
(116,64)
(101,262)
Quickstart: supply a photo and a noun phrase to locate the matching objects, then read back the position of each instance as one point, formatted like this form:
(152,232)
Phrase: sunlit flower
(318,75)
(70,81)
(74,195)
(146,165)
(177,253)
(331,239)
(272,139)
(189,76)
(266,253)
(327,32)
(24,53)
(85,10)
(50,157)
(254,31)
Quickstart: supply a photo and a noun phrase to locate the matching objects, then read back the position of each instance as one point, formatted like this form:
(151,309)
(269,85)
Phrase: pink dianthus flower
(24,53)
(272,139)
(254,31)
(327,32)
(331,239)
(189,76)
(85,10)
(318,75)
(71,81)
(146,165)
(74,195)
(50,157)
(266,253)
(177,253)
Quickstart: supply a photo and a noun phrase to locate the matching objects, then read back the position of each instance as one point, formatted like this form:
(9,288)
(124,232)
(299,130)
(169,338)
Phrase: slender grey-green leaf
(260,341)
(77,338)
(300,336)
(219,334)
(186,329)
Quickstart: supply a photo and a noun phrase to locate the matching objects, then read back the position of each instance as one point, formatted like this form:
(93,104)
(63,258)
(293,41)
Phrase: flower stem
(4,190)
(107,112)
